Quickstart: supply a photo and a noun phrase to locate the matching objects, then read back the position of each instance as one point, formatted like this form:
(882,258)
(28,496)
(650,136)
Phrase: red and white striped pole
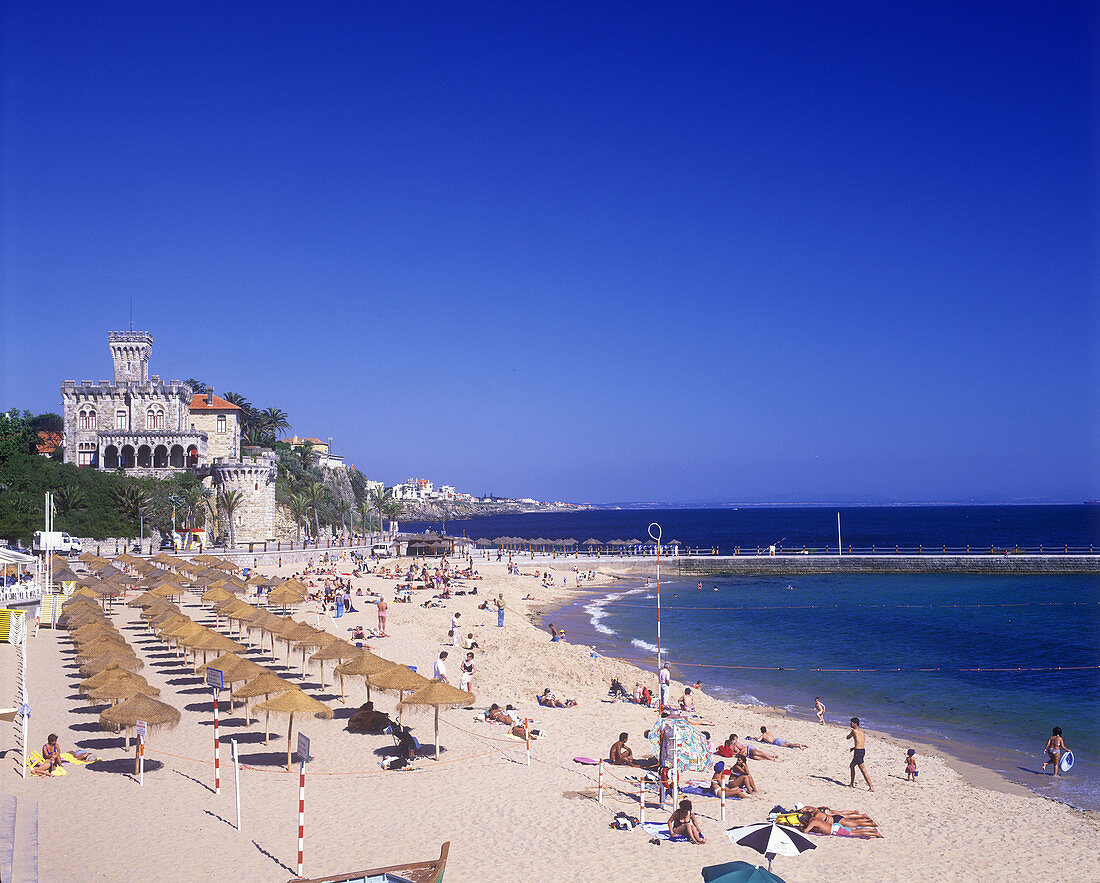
(217,751)
(599,785)
(301,813)
(527,737)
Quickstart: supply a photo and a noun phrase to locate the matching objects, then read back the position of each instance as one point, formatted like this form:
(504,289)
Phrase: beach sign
(215,678)
(303,748)
(141,727)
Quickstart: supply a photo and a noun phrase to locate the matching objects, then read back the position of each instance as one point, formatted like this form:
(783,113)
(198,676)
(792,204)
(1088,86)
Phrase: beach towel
(37,765)
(660,830)
(68,757)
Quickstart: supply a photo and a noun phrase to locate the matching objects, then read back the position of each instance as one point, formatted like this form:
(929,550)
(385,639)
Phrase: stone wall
(254,519)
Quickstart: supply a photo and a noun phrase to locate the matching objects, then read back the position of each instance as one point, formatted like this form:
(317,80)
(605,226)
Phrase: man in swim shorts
(859,753)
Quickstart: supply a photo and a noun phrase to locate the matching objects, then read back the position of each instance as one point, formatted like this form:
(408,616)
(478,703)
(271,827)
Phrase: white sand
(505,820)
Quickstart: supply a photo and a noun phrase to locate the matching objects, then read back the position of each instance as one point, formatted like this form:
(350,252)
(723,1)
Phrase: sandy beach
(505,819)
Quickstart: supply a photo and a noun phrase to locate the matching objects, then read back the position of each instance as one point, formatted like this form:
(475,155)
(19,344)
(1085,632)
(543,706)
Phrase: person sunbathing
(750,751)
(740,775)
(367,720)
(620,754)
(495,714)
(687,701)
(765,736)
(51,753)
(682,823)
(722,785)
(815,820)
(549,700)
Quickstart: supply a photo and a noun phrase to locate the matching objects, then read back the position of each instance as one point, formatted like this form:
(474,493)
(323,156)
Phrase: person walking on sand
(1055,748)
(499,603)
(819,708)
(665,679)
(859,754)
(911,771)
(382,608)
(440,673)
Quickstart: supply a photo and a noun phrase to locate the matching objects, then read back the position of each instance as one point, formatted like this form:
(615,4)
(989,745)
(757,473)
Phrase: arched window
(85,454)
(87,418)
(154,418)
(120,419)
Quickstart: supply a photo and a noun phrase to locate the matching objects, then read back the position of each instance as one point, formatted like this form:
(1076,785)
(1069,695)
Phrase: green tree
(343,510)
(364,511)
(307,455)
(315,494)
(274,421)
(231,501)
(299,510)
(385,505)
(131,499)
(197,386)
(68,499)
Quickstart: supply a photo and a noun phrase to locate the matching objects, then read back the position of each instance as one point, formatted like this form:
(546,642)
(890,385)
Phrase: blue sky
(579,251)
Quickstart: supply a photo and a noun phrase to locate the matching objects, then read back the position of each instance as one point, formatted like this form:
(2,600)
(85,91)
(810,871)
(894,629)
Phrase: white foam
(644,645)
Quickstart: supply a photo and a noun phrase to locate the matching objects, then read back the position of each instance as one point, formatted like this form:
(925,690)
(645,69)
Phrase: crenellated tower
(130,352)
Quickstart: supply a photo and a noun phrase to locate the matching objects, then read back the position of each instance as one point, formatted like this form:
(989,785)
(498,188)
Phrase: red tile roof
(199,402)
(48,442)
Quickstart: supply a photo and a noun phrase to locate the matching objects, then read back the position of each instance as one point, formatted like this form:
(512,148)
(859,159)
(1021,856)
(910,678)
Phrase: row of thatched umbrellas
(281,696)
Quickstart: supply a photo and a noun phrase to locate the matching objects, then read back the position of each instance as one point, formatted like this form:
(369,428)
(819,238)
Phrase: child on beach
(819,708)
(911,766)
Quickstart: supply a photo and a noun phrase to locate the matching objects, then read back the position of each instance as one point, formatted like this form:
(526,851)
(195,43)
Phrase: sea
(978,666)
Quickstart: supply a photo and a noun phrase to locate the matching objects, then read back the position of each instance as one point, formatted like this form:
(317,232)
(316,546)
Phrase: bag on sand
(623,822)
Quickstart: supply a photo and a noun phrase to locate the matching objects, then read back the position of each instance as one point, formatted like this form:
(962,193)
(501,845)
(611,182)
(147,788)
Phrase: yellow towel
(72,758)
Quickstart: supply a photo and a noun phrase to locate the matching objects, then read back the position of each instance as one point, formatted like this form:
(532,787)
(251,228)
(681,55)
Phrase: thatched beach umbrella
(123,688)
(294,702)
(366,663)
(400,679)
(93,647)
(85,592)
(93,631)
(311,640)
(156,714)
(285,596)
(110,673)
(263,684)
(336,650)
(145,600)
(115,655)
(214,594)
(437,694)
(211,641)
(234,669)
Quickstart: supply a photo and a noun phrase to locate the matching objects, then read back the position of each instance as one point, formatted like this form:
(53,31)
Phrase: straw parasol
(156,714)
(263,684)
(84,592)
(365,664)
(284,597)
(214,594)
(338,649)
(398,678)
(438,694)
(94,647)
(123,688)
(110,673)
(123,657)
(294,702)
(307,640)
(210,640)
(145,600)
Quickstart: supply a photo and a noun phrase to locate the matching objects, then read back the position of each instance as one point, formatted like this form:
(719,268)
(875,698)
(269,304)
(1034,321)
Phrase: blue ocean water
(760,638)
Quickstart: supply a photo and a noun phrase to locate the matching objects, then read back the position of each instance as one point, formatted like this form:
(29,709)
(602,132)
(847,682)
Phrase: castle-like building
(145,426)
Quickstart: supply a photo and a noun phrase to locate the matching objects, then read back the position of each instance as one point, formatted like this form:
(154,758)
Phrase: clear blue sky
(579,251)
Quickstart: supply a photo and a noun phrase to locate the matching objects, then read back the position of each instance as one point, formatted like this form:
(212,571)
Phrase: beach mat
(660,830)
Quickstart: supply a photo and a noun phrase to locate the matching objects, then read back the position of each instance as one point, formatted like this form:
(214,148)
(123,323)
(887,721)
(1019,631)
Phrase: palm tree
(385,505)
(68,498)
(231,501)
(274,420)
(364,512)
(131,500)
(307,455)
(299,509)
(194,499)
(235,398)
(314,494)
(342,507)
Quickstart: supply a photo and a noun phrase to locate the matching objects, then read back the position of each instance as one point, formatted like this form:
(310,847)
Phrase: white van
(56,541)
(381,550)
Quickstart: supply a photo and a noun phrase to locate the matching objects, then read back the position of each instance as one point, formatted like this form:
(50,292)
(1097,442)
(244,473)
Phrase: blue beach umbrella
(738,872)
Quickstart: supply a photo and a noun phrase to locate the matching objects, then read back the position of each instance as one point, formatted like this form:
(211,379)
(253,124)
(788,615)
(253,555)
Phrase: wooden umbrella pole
(267,726)
(289,730)
(437,732)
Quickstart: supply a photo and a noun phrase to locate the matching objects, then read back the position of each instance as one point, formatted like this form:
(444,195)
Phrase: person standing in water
(859,753)
(819,708)
(1055,748)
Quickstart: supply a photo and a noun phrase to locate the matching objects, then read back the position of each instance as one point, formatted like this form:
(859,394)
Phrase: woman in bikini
(1055,748)
(682,823)
(721,785)
(818,820)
